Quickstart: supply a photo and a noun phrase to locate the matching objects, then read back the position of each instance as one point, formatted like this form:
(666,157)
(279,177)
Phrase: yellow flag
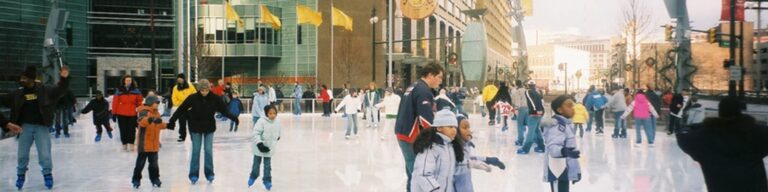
(267,17)
(307,15)
(527,7)
(232,15)
(340,19)
(424,43)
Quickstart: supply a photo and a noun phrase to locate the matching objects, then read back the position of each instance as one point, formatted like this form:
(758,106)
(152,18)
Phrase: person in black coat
(201,108)
(730,149)
(675,112)
(100,108)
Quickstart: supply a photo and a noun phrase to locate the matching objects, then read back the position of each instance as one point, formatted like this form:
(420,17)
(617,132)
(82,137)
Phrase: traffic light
(668,32)
(712,35)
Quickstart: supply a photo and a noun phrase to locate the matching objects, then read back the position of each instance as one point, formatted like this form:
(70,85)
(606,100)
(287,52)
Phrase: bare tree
(635,26)
(206,64)
(350,59)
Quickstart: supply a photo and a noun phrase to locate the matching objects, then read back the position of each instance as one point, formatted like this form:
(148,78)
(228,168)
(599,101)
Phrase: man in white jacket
(618,106)
(390,104)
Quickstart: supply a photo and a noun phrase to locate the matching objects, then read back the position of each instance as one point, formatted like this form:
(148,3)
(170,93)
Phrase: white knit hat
(445,118)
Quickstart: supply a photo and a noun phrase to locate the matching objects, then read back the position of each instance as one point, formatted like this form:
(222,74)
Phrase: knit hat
(729,107)
(149,100)
(203,84)
(181,75)
(445,118)
(30,72)
(460,117)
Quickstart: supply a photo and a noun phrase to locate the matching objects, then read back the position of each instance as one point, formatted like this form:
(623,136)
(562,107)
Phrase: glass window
(298,35)
(219,36)
(250,36)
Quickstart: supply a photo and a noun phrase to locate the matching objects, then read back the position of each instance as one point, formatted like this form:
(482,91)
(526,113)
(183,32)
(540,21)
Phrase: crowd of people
(430,124)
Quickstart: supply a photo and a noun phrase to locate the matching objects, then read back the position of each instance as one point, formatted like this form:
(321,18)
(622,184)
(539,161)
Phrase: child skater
(580,117)
(101,113)
(148,141)
(437,151)
(505,110)
(462,180)
(235,107)
(351,105)
(561,164)
(266,133)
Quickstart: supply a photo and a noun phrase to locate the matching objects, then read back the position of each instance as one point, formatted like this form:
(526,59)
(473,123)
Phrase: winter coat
(350,104)
(218,90)
(442,101)
(126,101)
(654,99)
(695,114)
(534,101)
(617,103)
(268,132)
(415,112)
(259,102)
(674,109)
(271,94)
(518,98)
(298,91)
(489,92)
(595,101)
(462,179)
(434,168)
(100,110)
(46,96)
(640,108)
(580,114)
(181,92)
(325,96)
(504,108)
(235,106)
(390,104)
(148,135)
(730,152)
(558,134)
(458,98)
(371,99)
(200,111)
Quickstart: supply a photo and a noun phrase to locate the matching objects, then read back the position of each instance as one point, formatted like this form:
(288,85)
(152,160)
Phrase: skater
(326,98)
(561,165)
(462,180)
(505,109)
(266,133)
(298,91)
(260,100)
(580,117)
(442,101)
(63,117)
(415,113)
(438,151)
(536,111)
(150,125)
(201,108)
(643,111)
(676,109)
(521,110)
(489,93)
(595,103)
(480,104)
(390,105)
(618,105)
(181,91)
(32,107)
(372,98)
(729,148)
(235,107)
(271,95)
(127,99)
(458,96)
(351,105)
(100,108)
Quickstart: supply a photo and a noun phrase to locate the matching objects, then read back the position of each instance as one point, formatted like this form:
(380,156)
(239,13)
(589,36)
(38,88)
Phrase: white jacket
(272,96)
(350,104)
(391,104)
(268,132)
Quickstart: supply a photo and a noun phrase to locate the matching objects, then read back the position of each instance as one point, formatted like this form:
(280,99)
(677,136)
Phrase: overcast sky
(601,18)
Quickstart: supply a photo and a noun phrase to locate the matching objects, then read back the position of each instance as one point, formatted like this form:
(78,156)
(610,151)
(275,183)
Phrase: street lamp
(447,47)
(374,19)
(564,67)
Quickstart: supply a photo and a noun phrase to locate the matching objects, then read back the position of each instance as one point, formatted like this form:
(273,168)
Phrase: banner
(725,15)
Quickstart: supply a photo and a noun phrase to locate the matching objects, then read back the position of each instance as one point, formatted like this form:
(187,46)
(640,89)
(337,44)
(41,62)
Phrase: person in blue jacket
(595,102)
(235,107)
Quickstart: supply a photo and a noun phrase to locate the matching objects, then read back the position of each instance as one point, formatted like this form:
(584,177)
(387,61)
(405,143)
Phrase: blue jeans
(351,123)
(206,139)
(255,119)
(522,112)
(460,108)
(649,132)
(409,157)
(267,168)
(42,139)
(590,120)
(620,125)
(297,106)
(534,133)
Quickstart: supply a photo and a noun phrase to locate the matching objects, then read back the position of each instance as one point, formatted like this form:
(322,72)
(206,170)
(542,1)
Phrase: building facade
(498,26)
(544,61)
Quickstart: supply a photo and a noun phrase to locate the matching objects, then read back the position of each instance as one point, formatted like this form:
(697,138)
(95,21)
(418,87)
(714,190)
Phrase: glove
(495,162)
(262,148)
(278,138)
(157,121)
(170,125)
(570,152)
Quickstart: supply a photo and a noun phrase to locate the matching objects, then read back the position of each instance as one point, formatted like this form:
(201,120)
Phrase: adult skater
(127,99)
(181,91)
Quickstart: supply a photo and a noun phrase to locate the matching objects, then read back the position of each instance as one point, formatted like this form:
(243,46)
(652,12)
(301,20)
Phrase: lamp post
(447,47)
(374,19)
(564,67)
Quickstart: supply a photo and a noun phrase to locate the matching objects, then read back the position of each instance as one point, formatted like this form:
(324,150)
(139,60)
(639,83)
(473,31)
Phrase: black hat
(97,92)
(181,75)
(729,107)
(30,72)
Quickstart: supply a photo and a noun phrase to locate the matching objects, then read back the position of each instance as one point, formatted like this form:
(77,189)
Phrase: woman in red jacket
(126,99)
(326,101)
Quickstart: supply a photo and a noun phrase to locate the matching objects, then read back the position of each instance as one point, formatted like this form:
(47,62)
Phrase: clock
(417,9)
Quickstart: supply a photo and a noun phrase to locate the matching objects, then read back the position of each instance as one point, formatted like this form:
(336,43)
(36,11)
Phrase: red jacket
(218,90)
(125,102)
(324,95)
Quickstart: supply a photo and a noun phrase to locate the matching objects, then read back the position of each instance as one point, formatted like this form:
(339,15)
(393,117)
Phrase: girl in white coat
(351,105)
(266,133)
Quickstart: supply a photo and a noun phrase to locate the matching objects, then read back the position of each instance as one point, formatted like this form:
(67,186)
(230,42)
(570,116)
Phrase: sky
(601,18)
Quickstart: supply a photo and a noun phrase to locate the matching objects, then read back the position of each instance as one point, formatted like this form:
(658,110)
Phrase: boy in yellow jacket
(580,117)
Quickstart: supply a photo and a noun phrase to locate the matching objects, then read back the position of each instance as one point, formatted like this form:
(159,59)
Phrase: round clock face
(417,9)
(417,3)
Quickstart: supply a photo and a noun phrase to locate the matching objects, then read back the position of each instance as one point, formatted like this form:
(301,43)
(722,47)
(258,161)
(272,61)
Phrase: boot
(109,133)
(98,138)
(268,185)
(193,179)
(157,183)
(48,181)
(210,178)
(136,184)
(251,181)
(20,181)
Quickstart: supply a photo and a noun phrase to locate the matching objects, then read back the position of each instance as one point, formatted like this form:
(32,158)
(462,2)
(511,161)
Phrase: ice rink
(314,156)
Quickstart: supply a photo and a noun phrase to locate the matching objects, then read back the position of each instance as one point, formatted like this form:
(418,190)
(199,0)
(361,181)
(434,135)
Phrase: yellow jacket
(580,114)
(178,96)
(489,92)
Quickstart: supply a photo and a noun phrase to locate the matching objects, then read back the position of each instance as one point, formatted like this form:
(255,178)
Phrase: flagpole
(317,28)
(332,41)
(226,32)
(197,69)
(390,30)
(258,42)
(189,33)
(296,46)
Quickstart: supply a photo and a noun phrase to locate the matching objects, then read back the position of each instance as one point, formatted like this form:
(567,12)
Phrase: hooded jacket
(618,103)
(641,108)
(47,96)
(558,134)
(434,168)
(268,132)
(259,102)
(148,135)
(200,111)
(730,152)
(534,101)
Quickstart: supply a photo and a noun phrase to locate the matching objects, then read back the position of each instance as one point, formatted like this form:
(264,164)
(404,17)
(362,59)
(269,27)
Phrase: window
(219,36)
(298,35)
(250,36)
